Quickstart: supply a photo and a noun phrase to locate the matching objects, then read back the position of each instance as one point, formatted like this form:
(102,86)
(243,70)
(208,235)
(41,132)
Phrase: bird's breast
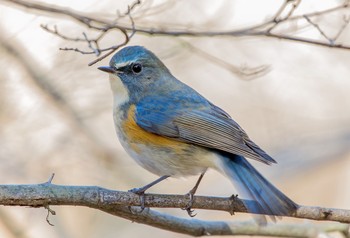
(159,155)
(135,135)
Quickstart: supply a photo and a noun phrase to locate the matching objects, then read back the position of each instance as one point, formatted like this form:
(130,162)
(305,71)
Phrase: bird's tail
(252,185)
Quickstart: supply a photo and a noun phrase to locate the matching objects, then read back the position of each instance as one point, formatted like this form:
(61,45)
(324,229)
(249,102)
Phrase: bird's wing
(207,126)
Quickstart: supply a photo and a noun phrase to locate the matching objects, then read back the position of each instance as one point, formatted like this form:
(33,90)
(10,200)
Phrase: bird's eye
(136,68)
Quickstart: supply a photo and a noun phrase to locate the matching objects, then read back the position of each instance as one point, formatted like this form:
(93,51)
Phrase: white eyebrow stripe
(121,65)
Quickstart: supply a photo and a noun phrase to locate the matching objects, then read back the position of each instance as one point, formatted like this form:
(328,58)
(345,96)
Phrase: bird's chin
(120,92)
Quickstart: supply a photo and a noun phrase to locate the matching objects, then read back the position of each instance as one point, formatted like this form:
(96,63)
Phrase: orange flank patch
(138,136)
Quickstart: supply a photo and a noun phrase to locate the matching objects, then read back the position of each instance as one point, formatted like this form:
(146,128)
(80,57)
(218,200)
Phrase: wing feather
(209,127)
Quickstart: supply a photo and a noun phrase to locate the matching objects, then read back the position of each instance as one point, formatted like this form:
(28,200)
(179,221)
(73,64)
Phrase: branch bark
(125,205)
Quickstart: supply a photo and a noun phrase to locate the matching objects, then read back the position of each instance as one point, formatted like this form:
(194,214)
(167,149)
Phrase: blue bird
(173,131)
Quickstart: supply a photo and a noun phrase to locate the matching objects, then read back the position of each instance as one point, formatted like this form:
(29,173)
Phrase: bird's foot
(141,193)
(191,193)
(188,207)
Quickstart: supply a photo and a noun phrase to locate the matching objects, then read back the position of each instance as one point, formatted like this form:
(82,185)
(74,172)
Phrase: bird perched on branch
(173,131)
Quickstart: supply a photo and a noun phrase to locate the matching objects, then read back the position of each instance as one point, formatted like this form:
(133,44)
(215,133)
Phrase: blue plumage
(172,130)
(253,185)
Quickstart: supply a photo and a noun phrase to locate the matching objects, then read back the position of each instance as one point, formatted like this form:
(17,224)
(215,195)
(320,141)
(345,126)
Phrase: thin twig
(346,20)
(130,8)
(309,41)
(59,34)
(295,5)
(278,19)
(262,29)
(50,179)
(112,49)
(341,6)
(243,72)
(49,211)
(319,30)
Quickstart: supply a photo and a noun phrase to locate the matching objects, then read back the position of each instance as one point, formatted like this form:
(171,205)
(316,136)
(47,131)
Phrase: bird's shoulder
(174,101)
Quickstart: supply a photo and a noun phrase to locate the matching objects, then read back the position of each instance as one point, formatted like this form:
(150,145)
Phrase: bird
(171,130)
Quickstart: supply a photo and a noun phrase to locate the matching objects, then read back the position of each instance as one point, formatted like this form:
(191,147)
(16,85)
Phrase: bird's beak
(108,69)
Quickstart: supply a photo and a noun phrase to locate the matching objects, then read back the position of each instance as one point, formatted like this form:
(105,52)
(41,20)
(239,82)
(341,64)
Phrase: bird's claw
(188,207)
(189,211)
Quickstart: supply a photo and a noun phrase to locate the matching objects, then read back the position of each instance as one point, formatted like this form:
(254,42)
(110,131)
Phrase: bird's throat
(120,92)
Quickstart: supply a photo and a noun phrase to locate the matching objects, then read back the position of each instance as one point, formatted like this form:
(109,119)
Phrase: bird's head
(135,71)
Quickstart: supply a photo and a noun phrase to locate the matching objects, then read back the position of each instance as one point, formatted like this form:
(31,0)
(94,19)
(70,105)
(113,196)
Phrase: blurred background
(56,111)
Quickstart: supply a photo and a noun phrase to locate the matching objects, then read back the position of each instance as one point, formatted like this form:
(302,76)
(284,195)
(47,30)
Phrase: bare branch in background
(328,38)
(243,72)
(118,203)
(55,31)
(278,18)
(283,17)
(319,30)
(346,20)
(43,83)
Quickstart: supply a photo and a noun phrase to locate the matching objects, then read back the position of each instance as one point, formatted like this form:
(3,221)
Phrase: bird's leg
(141,191)
(191,193)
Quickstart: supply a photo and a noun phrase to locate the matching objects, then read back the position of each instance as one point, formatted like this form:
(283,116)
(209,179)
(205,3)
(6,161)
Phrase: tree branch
(243,72)
(117,202)
(263,29)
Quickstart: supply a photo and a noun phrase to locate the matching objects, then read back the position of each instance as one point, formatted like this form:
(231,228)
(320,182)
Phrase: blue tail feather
(249,182)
